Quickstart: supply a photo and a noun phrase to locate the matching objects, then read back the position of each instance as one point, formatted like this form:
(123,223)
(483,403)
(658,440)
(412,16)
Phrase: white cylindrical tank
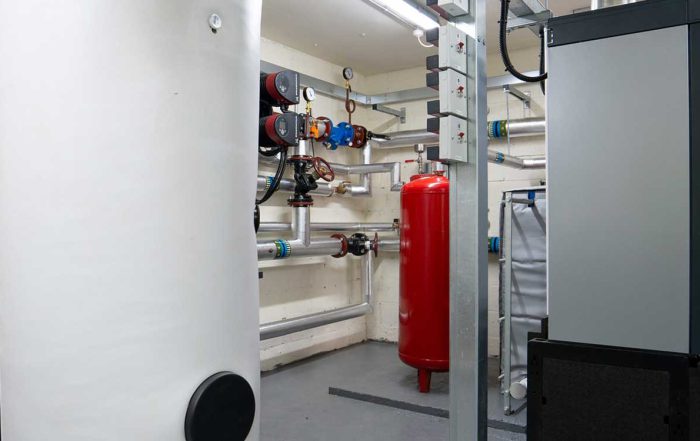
(128,133)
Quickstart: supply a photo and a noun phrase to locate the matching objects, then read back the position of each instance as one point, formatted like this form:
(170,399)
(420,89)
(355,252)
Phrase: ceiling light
(407,12)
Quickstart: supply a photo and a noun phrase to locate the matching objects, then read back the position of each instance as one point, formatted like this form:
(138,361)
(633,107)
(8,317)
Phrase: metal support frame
(522,96)
(468,255)
(528,14)
(503,80)
(401,113)
(532,21)
(506,262)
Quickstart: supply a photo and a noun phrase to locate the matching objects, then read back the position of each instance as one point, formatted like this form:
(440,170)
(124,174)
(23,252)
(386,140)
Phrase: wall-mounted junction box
(450,8)
(452,49)
(452,86)
(453,133)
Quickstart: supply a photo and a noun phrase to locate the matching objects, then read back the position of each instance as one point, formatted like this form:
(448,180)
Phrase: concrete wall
(316,284)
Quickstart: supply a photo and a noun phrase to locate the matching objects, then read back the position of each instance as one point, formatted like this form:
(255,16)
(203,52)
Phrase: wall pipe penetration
(289,326)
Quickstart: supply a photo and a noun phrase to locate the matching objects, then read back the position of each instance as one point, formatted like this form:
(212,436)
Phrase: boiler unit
(424,303)
(129,283)
(619,361)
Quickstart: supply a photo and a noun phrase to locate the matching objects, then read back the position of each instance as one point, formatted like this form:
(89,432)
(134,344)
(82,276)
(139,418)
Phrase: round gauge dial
(309,94)
(347,73)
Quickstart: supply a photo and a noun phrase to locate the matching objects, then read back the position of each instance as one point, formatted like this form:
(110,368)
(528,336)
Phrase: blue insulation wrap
(283,249)
(494,244)
(497,129)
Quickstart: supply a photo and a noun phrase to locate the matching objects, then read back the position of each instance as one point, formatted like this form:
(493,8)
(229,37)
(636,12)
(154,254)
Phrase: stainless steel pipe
(516,127)
(301,245)
(365,170)
(389,245)
(600,4)
(270,249)
(310,321)
(515,162)
(288,185)
(266,227)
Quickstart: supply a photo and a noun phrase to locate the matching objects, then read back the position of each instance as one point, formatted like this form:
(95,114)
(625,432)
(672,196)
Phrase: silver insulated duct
(128,275)
(600,4)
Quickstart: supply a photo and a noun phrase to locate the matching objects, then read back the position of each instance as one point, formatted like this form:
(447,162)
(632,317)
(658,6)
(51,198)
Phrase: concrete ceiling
(354,33)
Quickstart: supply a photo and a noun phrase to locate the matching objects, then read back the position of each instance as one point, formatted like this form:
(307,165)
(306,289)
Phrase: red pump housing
(424,303)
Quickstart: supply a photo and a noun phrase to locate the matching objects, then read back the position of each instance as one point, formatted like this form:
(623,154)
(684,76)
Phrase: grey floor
(297,405)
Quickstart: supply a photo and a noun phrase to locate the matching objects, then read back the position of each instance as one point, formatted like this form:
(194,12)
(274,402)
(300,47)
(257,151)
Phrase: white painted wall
(298,288)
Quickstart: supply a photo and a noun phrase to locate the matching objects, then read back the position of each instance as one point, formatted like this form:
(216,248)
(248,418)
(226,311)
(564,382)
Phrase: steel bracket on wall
(534,22)
(529,14)
(522,96)
(401,113)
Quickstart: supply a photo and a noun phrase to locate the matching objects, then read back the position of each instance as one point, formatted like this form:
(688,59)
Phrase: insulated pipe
(301,245)
(516,128)
(301,225)
(325,189)
(515,162)
(266,227)
(285,327)
(365,170)
(406,138)
(389,245)
(365,188)
(288,186)
(302,149)
(284,249)
(496,129)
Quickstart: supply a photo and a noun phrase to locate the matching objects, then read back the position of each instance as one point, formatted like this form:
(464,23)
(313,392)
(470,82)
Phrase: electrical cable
(279,173)
(271,152)
(424,44)
(542,83)
(505,4)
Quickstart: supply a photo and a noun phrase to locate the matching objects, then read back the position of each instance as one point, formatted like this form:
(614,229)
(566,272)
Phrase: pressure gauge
(309,94)
(347,73)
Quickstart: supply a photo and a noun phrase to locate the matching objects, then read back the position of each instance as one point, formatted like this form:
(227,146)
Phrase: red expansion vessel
(424,303)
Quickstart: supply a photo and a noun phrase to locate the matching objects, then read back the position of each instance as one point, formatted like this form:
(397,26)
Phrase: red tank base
(424,376)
